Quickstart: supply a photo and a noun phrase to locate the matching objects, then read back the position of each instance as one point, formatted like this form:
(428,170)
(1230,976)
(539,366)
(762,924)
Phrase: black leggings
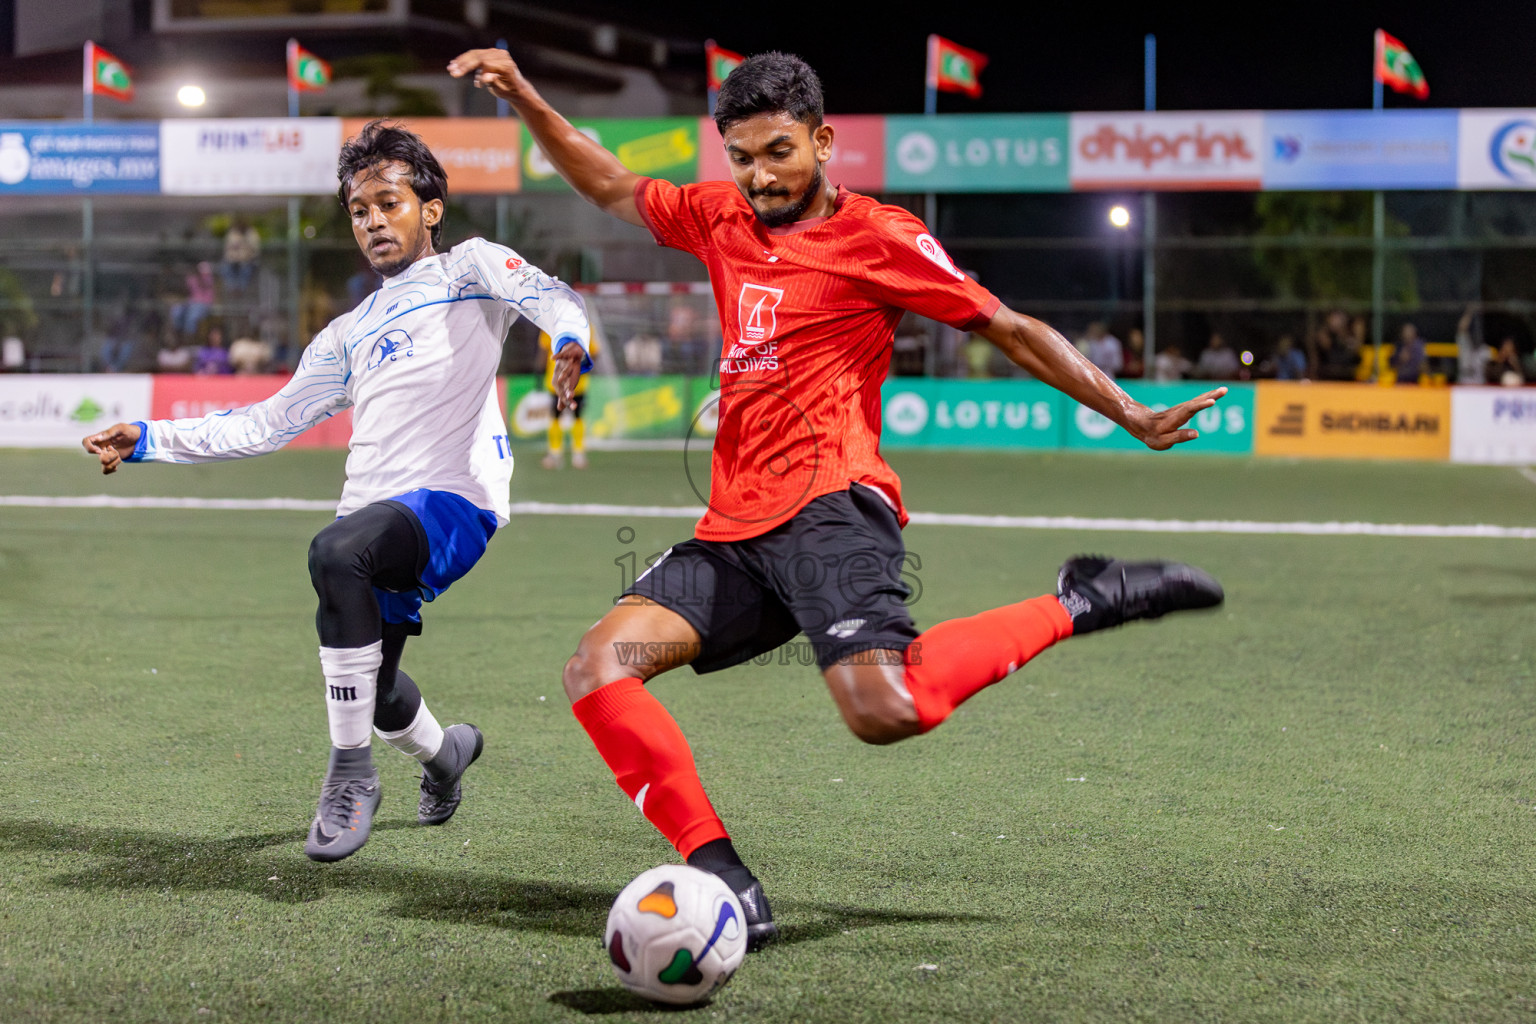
(380,545)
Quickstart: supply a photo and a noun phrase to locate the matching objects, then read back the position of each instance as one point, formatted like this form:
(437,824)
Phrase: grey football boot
(348,797)
(442,776)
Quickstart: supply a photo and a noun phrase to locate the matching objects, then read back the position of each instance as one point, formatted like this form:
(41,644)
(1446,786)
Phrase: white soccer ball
(676,934)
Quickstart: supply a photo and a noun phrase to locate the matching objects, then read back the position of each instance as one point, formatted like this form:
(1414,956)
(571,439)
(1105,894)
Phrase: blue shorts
(456,531)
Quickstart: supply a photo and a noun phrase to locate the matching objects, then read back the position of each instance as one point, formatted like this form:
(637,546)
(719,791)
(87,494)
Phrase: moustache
(758,193)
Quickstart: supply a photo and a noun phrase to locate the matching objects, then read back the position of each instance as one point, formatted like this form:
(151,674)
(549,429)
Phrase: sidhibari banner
(1226,428)
(1493,425)
(55,410)
(1352,421)
(75,158)
(480,155)
(616,408)
(977,153)
(657,147)
(921,412)
(250,156)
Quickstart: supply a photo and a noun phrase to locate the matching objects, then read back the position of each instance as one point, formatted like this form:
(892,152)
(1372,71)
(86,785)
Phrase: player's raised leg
(643,745)
(885,699)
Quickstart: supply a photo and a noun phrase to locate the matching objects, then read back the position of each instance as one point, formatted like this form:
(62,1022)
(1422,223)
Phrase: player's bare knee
(888,722)
(582,674)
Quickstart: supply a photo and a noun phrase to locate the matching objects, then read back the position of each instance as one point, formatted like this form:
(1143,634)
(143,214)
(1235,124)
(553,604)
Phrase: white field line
(1069,523)
(1528,473)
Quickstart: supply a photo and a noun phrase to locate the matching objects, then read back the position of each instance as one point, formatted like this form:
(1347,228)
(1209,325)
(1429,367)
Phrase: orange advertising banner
(1352,421)
(479,154)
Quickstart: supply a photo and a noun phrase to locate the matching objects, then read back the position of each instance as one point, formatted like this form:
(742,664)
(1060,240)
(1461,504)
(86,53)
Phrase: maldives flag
(306,72)
(106,75)
(1396,67)
(954,68)
(721,62)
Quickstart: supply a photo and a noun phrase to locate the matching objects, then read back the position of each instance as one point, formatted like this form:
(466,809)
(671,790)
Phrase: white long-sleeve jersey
(416,362)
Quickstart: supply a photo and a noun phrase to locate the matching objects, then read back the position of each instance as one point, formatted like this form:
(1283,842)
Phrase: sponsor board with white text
(55,410)
(1496,149)
(249,156)
(1168,150)
(1493,425)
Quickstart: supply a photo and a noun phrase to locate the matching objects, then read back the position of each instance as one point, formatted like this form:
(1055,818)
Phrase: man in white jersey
(428,469)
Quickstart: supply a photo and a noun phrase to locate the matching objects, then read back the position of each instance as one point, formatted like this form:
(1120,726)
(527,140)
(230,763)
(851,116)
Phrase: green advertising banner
(616,407)
(657,147)
(921,412)
(977,153)
(1225,428)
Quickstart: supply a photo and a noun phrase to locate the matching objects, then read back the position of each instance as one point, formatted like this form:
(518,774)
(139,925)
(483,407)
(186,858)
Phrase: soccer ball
(676,934)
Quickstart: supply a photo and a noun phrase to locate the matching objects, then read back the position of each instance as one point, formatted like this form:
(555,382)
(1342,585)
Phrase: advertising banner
(657,147)
(479,154)
(1225,429)
(249,156)
(55,410)
(1346,149)
(858,152)
(1493,425)
(1172,150)
(51,158)
(977,153)
(617,408)
(185,396)
(1352,421)
(920,412)
(1497,149)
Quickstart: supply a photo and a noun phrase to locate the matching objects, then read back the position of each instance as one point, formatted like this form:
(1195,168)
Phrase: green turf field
(1316,804)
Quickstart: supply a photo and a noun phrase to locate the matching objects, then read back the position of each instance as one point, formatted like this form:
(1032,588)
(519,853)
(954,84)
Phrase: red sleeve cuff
(984,315)
(645,214)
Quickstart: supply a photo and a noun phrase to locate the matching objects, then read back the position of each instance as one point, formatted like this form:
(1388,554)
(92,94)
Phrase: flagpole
(930,108)
(1149,224)
(86,83)
(1378,229)
(710,91)
(503,208)
(293,92)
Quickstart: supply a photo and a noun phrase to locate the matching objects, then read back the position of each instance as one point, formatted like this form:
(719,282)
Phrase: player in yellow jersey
(568,419)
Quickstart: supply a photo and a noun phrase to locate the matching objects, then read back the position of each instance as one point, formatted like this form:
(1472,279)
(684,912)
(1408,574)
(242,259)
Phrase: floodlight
(191,96)
(1120,217)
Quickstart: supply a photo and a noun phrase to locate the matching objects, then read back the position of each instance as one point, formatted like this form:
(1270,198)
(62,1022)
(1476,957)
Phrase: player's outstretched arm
(113,445)
(1040,349)
(595,174)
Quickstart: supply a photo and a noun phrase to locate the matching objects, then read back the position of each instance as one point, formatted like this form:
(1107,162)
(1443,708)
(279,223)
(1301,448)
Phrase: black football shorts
(833,572)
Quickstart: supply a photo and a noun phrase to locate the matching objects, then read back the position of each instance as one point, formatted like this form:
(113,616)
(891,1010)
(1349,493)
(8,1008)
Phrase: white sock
(351,683)
(422,739)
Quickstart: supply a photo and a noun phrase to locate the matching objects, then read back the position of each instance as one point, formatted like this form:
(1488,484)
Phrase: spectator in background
(361,285)
(248,355)
(213,358)
(1103,349)
(1472,354)
(1217,361)
(1170,364)
(1505,368)
(683,335)
(175,358)
(1408,358)
(242,252)
(1288,362)
(188,315)
(642,355)
(117,347)
(1337,349)
(1135,345)
(13,354)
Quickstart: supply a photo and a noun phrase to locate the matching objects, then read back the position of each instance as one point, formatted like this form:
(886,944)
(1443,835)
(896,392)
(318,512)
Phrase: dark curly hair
(768,83)
(381,142)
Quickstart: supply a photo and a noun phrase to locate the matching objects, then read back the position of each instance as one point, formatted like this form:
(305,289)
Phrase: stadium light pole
(503,207)
(1149,222)
(1378,237)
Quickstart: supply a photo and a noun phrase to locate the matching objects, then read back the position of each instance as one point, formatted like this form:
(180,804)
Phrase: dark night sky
(1087,56)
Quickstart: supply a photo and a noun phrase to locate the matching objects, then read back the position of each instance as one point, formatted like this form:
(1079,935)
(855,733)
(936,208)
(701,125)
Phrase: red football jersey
(808,314)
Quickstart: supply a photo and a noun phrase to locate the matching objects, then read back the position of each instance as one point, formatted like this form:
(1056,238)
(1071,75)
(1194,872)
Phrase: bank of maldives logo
(1513,151)
(757,311)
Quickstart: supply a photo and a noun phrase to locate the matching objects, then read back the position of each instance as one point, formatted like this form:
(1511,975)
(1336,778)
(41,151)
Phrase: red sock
(652,761)
(950,662)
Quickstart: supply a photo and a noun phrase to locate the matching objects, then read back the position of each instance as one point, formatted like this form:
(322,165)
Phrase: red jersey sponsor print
(808,314)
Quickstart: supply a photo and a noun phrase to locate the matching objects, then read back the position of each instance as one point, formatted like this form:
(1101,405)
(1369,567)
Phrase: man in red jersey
(803,529)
